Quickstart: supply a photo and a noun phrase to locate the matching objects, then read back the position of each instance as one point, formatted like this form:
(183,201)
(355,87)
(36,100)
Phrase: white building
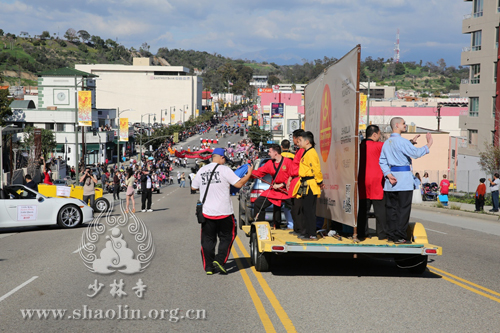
(57,111)
(169,93)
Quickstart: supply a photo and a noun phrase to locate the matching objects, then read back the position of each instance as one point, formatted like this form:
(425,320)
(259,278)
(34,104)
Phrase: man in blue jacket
(395,162)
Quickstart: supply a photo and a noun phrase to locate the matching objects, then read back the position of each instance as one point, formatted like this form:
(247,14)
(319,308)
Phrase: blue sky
(281,31)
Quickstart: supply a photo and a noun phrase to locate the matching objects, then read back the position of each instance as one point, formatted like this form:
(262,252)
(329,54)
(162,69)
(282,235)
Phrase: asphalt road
(459,292)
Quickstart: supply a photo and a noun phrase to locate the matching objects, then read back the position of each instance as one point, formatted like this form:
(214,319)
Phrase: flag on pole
(230,83)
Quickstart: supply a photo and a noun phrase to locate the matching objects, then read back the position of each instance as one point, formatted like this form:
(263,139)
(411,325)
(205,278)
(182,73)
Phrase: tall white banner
(331,113)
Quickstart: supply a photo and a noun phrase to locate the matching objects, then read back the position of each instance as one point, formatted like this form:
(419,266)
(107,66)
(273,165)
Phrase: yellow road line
(463,280)
(285,320)
(468,288)
(266,322)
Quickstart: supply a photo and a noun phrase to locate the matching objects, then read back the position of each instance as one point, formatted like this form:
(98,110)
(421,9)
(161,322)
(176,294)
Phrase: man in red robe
(370,184)
(280,169)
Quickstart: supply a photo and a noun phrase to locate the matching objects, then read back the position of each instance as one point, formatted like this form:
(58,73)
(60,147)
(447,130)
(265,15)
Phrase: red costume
(270,168)
(371,177)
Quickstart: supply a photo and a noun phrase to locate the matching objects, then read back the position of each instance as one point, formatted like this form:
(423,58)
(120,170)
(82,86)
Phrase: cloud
(294,28)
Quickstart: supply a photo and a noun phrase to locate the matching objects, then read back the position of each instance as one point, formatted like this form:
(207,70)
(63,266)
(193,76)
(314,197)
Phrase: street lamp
(118,141)
(171,114)
(184,112)
(140,156)
(161,116)
(1,153)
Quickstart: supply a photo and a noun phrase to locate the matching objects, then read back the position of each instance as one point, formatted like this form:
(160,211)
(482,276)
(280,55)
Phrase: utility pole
(77,145)
(368,104)
(497,99)
(439,116)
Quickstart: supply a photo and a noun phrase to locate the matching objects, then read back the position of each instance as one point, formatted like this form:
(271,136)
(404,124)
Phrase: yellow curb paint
(266,322)
(285,320)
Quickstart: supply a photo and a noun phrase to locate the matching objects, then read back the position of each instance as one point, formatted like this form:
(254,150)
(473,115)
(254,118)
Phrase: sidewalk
(466,210)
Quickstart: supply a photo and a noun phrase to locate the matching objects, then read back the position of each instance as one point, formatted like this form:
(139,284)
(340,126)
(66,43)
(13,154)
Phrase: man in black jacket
(147,192)
(116,186)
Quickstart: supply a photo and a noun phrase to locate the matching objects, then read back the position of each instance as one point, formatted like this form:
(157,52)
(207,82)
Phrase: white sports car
(21,207)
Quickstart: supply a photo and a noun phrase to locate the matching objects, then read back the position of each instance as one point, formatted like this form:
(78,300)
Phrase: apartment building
(477,124)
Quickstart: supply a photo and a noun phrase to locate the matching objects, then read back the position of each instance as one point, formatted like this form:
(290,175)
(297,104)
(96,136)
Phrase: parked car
(22,207)
(249,193)
(101,204)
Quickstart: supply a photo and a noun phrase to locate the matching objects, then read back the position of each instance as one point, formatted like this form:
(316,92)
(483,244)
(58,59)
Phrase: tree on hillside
(84,35)
(70,35)
(98,42)
(5,101)
(399,69)
(112,44)
(272,80)
(1,32)
(45,35)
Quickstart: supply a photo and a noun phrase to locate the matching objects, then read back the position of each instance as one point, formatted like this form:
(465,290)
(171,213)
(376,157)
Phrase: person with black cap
(217,210)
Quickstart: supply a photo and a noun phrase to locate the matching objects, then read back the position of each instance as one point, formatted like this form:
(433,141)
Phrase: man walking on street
(147,190)
(494,187)
(395,162)
(116,186)
(217,210)
(370,184)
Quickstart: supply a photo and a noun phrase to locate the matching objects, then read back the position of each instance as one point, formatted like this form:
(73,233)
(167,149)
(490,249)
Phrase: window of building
(61,127)
(494,106)
(476,40)
(472,137)
(475,73)
(498,6)
(496,36)
(49,126)
(478,8)
(474,107)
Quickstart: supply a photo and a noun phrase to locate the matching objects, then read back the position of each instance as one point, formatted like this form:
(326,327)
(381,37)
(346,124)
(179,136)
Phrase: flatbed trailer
(332,114)
(266,245)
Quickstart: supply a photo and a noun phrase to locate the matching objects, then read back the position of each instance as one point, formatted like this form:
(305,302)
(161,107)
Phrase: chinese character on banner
(85,108)
(123,129)
(96,287)
(117,289)
(139,288)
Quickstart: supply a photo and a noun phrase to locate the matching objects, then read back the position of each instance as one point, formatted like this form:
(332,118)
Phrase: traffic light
(242,133)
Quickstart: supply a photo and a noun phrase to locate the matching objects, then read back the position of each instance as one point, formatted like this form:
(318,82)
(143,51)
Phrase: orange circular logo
(325,124)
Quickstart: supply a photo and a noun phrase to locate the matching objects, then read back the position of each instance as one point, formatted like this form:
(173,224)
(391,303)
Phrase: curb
(464,213)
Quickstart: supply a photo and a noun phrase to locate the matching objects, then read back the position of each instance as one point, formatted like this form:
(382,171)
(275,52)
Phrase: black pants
(225,230)
(261,204)
(380,216)
(297,215)
(398,209)
(116,192)
(147,194)
(91,198)
(309,214)
(480,203)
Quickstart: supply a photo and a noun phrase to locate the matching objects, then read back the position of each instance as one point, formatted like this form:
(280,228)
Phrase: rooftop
(66,71)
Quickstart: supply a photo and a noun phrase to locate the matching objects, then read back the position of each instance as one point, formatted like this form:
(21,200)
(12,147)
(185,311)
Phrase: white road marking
(17,288)
(78,250)
(439,232)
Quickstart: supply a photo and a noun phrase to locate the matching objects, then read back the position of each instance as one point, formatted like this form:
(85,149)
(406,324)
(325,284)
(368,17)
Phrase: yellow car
(101,204)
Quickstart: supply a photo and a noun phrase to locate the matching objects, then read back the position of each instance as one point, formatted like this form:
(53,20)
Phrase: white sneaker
(143,210)
(150,210)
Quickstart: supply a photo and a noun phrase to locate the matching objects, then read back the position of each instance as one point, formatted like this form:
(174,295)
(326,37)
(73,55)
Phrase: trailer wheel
(414,264)
(259,259)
